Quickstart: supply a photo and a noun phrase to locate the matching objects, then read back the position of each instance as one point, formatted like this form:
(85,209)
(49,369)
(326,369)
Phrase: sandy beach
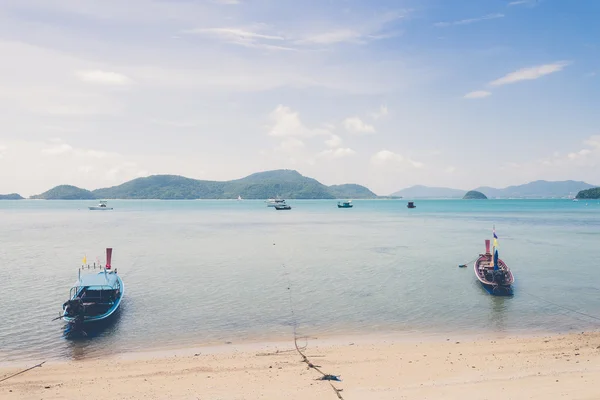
(565,366)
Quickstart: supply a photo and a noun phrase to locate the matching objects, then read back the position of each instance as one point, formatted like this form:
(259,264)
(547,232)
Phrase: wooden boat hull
(498,283)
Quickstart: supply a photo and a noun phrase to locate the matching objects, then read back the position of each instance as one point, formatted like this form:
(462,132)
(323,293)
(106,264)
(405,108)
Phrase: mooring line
(325,377)
(21,372)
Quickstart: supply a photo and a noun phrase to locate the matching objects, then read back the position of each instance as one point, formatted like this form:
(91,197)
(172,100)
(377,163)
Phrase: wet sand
(551,367)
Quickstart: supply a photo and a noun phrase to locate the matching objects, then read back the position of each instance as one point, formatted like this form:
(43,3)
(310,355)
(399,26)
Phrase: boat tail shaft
(108,257)
(487,246)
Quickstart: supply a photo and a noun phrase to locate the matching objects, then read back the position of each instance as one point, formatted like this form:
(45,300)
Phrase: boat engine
(75,309)
(499,277)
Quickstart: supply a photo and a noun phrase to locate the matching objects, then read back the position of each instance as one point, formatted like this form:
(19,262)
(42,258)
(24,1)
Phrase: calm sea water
(215,271)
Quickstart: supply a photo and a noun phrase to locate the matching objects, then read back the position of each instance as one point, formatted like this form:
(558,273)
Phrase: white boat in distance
(275,202)
(101,206)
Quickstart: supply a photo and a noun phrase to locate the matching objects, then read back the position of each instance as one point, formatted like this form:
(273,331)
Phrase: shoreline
(232,344)
(378,366)
(80,352)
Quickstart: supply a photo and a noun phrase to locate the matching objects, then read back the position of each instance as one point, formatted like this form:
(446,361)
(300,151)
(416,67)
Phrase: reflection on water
(93,335)
(212,271)
(500,306)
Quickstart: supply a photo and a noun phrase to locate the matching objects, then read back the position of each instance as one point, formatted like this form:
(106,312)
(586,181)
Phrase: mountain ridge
(261,185)
(534,189)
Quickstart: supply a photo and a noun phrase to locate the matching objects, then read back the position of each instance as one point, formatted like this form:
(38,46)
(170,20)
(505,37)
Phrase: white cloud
(382,112)
(285,122)
(234,34)
(593,141)
(588,157)
(334,141)
(450,169)
(103,77)
(337,153)
(580,153)
(358,33)
(127,168)
(530,73)
(357,126)
(247,37)
(478,94)
(468,21)
(61,149)
(385,157)
(86,169)
(523,2)
(2,150)
(332,37)
(58,149)
(291,144)
(227,2)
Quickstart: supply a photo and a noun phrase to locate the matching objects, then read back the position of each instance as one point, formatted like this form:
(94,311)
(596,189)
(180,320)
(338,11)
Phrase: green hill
(65,192)
(589,194)
(12,196)
(474,195)
(284,183)
(351,191)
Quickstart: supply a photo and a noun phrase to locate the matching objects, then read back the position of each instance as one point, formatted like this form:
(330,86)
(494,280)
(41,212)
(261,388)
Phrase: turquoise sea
(201,272)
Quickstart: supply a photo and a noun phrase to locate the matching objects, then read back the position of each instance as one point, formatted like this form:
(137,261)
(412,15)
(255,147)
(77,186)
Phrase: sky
(388,94)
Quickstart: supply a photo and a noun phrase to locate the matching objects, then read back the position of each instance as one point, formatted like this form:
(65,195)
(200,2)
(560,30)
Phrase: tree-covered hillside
(283,183)
(589,194)
(12,196)
(66,192)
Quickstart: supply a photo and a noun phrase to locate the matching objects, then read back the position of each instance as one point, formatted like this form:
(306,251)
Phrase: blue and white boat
(95,296)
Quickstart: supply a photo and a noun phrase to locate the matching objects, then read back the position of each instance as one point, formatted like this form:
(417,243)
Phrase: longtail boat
(95,296)
(493,273)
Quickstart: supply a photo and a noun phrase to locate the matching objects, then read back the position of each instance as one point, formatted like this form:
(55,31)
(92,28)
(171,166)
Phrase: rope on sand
(21,372)
(324,377)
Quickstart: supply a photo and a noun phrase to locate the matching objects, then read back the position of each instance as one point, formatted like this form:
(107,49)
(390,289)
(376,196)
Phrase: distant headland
(12,196)
(589,194)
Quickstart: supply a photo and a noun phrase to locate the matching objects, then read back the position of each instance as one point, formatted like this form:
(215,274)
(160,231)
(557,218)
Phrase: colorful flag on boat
(84,260)
(495,238)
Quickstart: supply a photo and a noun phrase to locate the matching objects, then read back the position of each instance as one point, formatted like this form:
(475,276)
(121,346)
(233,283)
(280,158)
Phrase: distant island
(12,196)
(474,195)
(593,193)
(287,184)
(532,190)
(66,192)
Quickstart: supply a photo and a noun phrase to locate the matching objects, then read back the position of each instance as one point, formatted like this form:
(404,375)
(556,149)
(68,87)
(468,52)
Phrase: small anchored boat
(345,204)
(95,296)
(411,205)
(102,205)
(282,206)
(493,273)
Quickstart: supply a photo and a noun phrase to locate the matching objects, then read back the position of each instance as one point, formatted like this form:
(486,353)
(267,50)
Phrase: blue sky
(388,94)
